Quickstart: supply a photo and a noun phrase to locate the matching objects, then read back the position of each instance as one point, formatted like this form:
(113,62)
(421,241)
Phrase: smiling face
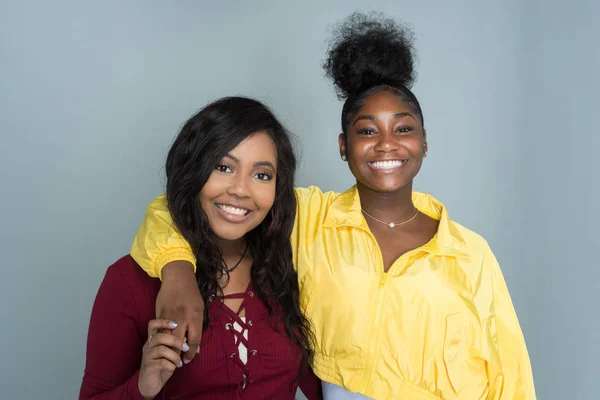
(241,190)
(385,143)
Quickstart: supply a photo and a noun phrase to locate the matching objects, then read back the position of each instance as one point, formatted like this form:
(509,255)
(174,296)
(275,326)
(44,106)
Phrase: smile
(387,164)
(231,213)
(233,210)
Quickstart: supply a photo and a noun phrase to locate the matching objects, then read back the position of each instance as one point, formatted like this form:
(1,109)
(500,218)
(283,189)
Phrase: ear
(425,146)
(342,144)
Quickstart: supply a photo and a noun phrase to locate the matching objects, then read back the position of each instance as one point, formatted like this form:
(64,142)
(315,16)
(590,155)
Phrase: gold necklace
(392,225)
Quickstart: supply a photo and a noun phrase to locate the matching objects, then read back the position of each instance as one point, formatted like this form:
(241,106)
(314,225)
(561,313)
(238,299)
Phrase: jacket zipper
(380,298)
(375,335)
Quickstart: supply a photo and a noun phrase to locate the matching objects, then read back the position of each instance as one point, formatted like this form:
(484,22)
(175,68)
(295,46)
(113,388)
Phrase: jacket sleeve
(158,242)
(510,375)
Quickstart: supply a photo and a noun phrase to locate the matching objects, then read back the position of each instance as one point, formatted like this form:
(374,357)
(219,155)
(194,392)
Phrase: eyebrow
(373,118)
(256,164)
(264,164)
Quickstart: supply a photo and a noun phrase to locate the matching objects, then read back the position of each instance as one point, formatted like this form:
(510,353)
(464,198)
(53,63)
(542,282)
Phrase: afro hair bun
(368,50)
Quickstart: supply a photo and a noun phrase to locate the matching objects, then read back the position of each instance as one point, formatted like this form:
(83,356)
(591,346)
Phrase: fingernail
(180,364)
(173,324)
(185,347)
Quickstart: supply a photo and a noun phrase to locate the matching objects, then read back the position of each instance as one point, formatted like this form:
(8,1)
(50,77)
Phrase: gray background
(92,94)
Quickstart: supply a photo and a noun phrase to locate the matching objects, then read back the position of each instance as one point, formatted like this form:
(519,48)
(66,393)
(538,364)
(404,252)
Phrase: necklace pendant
(391,225)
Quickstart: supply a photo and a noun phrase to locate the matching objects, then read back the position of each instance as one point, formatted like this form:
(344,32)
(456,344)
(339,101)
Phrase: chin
(387,187)
(229,235)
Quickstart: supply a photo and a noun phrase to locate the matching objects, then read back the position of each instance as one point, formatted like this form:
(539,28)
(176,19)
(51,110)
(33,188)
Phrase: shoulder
(472,243)
(159,202)
(312,206)
(126,278)
(479,262)
(471,237)
(314,195)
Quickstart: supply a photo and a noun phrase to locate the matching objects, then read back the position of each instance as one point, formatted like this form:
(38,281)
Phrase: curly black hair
(204,139)
(369,53)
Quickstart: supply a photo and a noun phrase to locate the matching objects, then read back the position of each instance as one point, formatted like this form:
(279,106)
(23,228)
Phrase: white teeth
(232,210)
(387,164)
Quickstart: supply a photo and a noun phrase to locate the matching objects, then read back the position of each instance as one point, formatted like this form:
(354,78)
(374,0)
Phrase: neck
(387,206)
(231,248)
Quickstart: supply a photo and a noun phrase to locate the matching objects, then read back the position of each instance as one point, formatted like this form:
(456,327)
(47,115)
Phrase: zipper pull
(383,280)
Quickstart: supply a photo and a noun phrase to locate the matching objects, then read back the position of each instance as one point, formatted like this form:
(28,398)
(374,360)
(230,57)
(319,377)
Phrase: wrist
(145,396)
(178,271)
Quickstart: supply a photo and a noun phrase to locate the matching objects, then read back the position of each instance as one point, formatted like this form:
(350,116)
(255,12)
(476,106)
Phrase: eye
(404,129)
(366,131)
(223,168)
(263,176)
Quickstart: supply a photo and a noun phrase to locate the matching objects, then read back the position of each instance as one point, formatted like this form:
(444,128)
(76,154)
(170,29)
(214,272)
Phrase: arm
(162,252)
(158,245)
(510,374)
(310,386)
(114,344)
(116,347)
(158,242)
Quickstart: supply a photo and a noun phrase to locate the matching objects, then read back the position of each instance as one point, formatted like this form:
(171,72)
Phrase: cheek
(211,188)
(358,148)
(264,196)
(416,144)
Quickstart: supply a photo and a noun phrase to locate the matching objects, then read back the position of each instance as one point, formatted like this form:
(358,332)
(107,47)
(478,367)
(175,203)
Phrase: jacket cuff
(173,254)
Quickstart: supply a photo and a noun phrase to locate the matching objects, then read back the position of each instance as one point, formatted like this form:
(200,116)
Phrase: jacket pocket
(453,339)
(307,295)
(454,345)
(465,368)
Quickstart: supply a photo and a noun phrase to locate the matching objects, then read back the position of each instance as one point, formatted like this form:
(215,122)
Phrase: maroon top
(119,328)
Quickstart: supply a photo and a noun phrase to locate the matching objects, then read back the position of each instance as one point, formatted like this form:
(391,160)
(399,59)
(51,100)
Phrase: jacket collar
(345,210)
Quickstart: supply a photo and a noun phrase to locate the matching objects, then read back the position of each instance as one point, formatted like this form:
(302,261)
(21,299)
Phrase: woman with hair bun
(406,303)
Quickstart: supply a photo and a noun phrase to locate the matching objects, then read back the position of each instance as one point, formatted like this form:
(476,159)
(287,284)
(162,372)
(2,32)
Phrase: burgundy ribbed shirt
(119,328)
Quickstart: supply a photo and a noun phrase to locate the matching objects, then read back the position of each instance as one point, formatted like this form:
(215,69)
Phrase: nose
(385,143)
(239,186)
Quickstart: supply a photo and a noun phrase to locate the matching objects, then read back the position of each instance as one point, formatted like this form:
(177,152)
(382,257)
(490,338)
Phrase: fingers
(177,314)
(163,347)
(194,336)
(155,325)
(165,339)
(179,332)
(158,351)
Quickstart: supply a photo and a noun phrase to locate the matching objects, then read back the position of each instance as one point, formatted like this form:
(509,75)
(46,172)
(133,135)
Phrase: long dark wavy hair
(203,141)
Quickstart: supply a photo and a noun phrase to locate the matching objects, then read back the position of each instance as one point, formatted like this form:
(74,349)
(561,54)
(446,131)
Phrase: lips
(232,209)
(232,213)
(386,164)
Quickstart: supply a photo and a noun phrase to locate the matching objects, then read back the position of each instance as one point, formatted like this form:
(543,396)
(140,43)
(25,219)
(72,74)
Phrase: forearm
(94,388)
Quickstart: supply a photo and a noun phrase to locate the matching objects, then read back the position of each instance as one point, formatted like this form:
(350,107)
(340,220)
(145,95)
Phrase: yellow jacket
(438,325)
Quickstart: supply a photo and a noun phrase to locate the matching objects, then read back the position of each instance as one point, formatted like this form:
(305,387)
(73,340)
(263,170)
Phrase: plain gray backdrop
(92,94)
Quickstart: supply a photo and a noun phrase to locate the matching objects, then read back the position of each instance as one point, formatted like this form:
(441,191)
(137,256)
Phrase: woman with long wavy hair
(230,175)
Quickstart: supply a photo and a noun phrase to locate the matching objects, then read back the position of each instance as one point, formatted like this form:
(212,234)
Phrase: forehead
(256,148)
(384,102)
